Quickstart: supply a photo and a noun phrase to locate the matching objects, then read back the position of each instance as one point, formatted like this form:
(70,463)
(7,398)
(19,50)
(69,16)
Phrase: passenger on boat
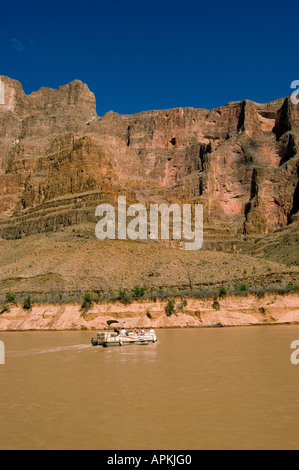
(142,332)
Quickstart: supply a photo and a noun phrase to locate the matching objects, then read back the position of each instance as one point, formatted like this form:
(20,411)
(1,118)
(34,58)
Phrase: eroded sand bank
(192,312)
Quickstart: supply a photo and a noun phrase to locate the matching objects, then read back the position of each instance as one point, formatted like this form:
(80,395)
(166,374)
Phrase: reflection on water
(195,389)
(135,353)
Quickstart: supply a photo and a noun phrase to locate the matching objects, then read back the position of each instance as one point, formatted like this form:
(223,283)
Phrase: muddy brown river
(226,388)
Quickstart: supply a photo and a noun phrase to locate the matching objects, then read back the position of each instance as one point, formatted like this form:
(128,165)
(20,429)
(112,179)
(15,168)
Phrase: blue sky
(141,55)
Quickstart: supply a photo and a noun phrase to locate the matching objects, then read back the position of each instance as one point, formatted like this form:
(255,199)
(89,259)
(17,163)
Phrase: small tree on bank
(170,308)
(27,304)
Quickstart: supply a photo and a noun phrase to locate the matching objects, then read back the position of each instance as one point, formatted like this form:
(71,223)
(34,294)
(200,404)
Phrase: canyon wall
(59,160)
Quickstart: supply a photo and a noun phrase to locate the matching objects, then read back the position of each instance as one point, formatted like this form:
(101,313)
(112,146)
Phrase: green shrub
(87,301)
(292,287)
(122,293)
(170,308)
(241,288)
(222,292)
(10,297)
(180,307)
(27,304)
(139,291)
(125,296)
(216,305)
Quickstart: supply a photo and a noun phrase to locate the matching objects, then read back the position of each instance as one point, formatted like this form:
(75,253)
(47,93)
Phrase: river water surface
(227,388)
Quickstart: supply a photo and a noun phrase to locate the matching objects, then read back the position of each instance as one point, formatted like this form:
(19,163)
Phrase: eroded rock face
(59,160)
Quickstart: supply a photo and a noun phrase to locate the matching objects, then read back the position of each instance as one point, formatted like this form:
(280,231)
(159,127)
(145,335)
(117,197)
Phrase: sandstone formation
(233,311)
(59,160)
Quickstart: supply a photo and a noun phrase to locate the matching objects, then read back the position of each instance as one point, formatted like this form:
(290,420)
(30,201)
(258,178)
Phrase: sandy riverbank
(190,312)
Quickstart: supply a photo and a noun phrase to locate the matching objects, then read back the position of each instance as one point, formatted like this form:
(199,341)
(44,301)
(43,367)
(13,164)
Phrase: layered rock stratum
(59,160)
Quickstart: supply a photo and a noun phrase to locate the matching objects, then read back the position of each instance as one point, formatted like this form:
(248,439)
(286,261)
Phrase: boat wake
(33,352)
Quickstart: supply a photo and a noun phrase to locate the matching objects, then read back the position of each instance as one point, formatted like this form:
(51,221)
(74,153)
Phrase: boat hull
(108,339)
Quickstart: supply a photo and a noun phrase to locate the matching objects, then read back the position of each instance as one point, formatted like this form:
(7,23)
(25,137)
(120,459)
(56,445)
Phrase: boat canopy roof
(121,321)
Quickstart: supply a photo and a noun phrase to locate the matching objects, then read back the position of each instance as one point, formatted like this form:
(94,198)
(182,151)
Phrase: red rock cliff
(59,160)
